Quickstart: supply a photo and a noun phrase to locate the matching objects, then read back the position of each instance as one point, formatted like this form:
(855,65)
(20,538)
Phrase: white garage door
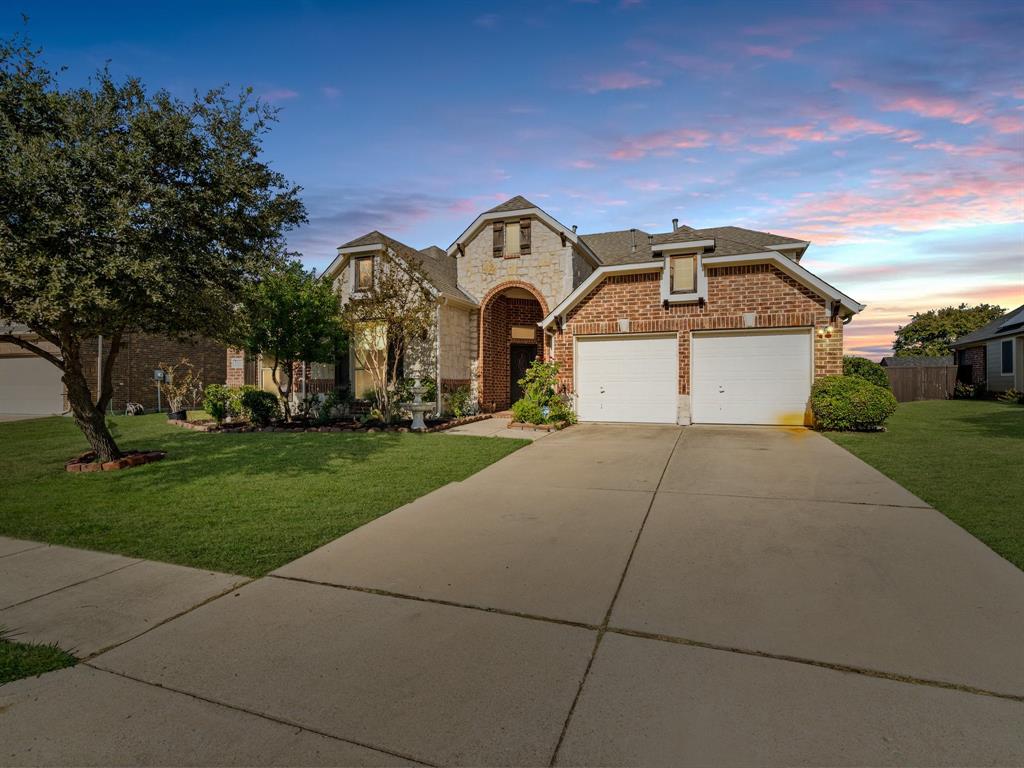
(621,378)
(750,377)
(30,385)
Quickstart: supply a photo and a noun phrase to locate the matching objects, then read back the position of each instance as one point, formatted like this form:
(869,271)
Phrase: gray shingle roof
(749,236)
(517,203)
(626,246)
(439,268)
(617,247)
(1005,325)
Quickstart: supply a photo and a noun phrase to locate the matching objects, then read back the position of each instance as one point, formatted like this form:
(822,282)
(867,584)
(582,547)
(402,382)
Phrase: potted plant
(183,388)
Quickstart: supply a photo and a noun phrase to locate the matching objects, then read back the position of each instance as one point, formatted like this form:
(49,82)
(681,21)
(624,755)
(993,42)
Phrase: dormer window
(512,238)
(684,273)
(363,272)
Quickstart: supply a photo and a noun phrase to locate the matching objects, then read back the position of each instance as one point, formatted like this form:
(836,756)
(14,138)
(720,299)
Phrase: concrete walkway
(609,595)
(495,427)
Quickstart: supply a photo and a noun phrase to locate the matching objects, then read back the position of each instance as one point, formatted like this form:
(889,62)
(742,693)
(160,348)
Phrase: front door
(520,357)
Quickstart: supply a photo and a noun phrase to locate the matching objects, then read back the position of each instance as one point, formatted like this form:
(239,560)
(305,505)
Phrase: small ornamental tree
(395,315)
(930,333)
(123,211)
(290,316)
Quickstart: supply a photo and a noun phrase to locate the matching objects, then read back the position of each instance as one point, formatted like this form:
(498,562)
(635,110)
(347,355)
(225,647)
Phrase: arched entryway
(510,340)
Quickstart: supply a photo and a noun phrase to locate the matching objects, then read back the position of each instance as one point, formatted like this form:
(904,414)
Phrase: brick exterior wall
(140,355)
(777,300)
(972,361)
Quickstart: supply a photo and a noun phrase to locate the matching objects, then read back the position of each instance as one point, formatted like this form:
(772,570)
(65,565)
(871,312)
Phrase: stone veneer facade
(777,300)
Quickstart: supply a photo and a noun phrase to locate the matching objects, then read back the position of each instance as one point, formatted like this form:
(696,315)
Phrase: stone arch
(494,346)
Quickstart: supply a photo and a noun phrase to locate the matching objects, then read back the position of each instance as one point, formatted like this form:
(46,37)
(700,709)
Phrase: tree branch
(20,342)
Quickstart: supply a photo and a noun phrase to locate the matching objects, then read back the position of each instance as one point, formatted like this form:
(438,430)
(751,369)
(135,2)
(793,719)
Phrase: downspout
(437,354)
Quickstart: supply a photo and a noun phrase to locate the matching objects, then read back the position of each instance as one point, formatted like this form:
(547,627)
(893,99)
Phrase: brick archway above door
(506,312)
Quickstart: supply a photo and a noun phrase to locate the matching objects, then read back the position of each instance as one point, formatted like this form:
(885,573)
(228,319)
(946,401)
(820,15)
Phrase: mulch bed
(87,462)
(433,425)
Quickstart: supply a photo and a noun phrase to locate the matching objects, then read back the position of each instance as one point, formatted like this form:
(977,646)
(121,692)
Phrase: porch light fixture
(825,332)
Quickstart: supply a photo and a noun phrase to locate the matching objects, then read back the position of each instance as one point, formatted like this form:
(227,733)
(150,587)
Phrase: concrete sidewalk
(495,427)
(610,595)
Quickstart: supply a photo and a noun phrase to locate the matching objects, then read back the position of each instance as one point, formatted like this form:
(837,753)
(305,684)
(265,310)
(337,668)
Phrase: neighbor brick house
(993,356)
(31,385)
(720,325)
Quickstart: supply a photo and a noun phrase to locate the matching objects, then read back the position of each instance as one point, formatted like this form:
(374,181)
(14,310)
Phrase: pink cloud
(1008,124)
(660,142)
(617,81)
(583,165)
(947,109)
(279,94)
(330,92)
(769,52)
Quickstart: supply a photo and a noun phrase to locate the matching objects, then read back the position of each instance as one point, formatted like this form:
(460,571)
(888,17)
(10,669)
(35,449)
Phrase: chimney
(632,239)
(675,224)
(574,229)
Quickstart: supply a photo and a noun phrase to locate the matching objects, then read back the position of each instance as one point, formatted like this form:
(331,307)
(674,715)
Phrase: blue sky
(890,134)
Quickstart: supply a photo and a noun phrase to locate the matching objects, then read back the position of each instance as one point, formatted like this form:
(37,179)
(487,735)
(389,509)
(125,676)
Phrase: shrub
(964,391)
(459,402)
(403,390)
(1011,396)
(261,407)
(541,403)
(216,401)
(850,403)
(866,369)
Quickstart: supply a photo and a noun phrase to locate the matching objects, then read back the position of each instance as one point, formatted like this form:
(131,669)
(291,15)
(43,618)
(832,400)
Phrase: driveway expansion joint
(263,715)
(800,498)
(601,630)
(836,667)
(67,586)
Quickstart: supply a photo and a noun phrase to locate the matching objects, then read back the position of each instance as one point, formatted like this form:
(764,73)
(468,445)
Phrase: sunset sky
(890,134)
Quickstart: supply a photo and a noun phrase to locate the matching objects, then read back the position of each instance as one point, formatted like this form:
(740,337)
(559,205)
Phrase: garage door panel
(30,385)
(627,379)
(751,378)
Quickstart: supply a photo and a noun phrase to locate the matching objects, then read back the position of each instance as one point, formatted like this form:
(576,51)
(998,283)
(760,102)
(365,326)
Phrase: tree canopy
(929,334)
(125,211)
(290,316)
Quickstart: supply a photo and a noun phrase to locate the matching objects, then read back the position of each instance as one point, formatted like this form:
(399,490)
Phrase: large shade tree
(124,211)
(929,334)
(290,316)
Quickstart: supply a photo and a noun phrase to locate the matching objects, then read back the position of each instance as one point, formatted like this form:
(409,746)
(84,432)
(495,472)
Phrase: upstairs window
(364,273)
(684,273)
(1007,350)
(512,238)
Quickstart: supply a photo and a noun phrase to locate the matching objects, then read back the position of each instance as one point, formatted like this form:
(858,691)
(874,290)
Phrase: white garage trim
(757,376)
(630,378)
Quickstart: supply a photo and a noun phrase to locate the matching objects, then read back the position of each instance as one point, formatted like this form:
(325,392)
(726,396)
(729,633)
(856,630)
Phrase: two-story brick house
(717,325)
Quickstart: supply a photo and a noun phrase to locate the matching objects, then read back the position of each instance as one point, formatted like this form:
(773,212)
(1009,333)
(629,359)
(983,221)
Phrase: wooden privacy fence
(922,383)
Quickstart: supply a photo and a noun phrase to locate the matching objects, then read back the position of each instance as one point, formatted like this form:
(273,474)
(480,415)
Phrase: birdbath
(417,406)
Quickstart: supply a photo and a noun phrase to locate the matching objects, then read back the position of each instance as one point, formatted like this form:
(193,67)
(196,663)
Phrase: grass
(964,457)
(18,660)
(238,503)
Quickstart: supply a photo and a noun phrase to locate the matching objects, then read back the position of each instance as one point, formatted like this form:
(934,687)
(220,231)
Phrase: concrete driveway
(612,595)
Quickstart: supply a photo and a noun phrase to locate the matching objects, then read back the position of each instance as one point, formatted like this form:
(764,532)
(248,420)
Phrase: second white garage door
(30,385)
(750,377)
(627,378)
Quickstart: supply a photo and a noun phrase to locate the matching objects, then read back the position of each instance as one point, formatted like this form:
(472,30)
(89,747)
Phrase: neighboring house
(31,385)
(719,325)
(993,355)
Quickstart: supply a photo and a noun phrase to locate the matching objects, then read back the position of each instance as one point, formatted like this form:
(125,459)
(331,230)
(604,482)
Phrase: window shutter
(524,235)
(499,238)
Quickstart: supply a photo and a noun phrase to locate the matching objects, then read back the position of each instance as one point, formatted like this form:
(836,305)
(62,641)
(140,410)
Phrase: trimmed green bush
(216,399)
(850,403)
(460,403)
(541,403)
(261,407)
(866,369)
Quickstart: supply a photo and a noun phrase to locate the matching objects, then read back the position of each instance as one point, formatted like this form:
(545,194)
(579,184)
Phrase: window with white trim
(684,273)
(363,271)
(1007,355)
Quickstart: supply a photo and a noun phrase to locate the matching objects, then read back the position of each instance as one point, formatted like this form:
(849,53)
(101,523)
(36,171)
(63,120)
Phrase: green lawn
(964,457)
(18,660)
(239,503)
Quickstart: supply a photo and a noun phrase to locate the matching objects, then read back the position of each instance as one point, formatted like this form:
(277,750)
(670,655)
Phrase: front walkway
(496,426)
(609,595)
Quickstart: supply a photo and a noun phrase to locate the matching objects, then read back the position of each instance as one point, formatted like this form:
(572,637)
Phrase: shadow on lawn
(1003,420)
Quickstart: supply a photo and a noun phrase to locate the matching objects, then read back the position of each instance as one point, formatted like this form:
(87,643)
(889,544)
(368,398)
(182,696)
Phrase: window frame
(1003,357)
(672,274)
(356,263)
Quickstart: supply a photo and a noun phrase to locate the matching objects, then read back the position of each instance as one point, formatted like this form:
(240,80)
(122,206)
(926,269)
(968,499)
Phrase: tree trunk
(284,392)
(89,418)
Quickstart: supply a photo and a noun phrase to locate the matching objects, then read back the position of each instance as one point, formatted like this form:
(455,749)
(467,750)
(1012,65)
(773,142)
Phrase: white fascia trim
(588,285)
(483,218)
(796,244)
(340,259)
(661,248)
(452,300)
(791,268)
